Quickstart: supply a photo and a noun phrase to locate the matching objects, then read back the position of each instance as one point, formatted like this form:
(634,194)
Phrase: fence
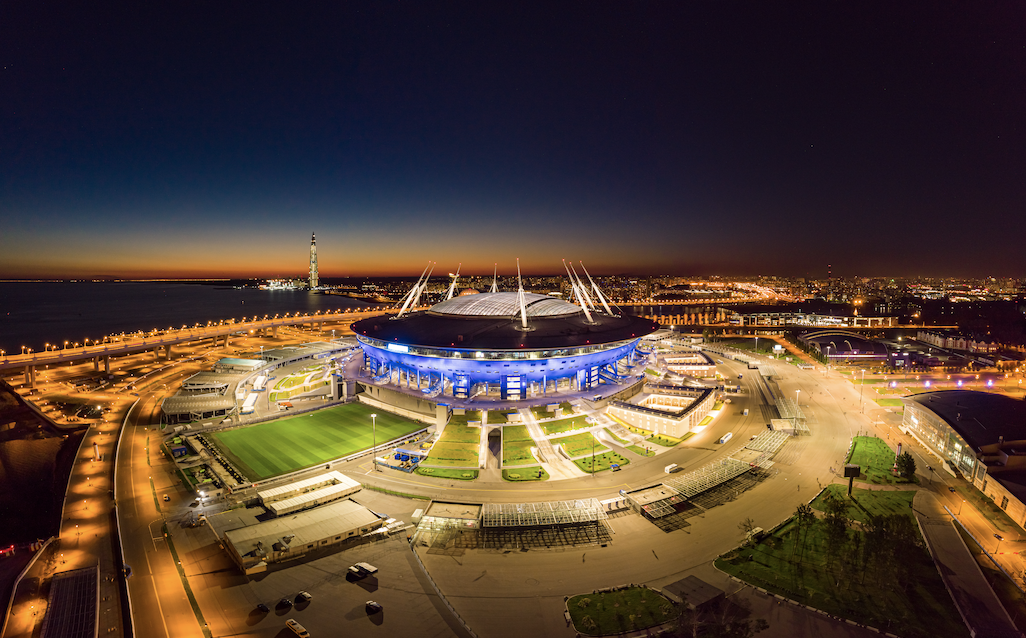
(441,596)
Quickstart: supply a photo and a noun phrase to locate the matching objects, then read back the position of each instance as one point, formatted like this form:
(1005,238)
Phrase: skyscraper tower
(313,260)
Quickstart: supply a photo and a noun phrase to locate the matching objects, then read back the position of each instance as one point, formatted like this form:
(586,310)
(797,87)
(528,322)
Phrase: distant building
(313,260)
(956,341)
(980,435)
(807,313)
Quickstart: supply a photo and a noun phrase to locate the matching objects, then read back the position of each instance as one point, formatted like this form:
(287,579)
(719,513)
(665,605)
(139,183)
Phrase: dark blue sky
(210,139)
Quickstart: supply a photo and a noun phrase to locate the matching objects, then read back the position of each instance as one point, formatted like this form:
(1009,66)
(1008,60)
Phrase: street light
(862,388)
(374,455)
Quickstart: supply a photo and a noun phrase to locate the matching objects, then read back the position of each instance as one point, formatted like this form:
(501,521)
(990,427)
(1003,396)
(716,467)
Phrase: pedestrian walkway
(979,606)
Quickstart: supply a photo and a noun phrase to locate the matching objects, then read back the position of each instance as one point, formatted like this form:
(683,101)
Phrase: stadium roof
(502,332)
(505,304)
(980,418)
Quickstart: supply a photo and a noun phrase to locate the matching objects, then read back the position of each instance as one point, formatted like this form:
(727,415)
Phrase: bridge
(154,341)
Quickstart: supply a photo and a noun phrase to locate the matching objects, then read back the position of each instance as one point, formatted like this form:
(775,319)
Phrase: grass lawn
(634,429)
(654,373)
(497,416)
(890,403)
(517,452)
(616,438)
(466,417)
(292,443)
(718,405)
(640,450)
(542,412)
(564,425)
(870,594)
(876,459)
(534,473)
(881,502)
(623,610)
(460,433)
(578,444)
(706,421)
(452,454)
(663,440)
(291,381)
(516,445)
(602,461)
(444,473)
(687,435)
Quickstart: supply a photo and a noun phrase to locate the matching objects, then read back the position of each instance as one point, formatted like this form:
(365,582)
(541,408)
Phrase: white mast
(413,291)
(423,286)
(598,293)
(520,298)
(495,279)
(577,293)
(452,286)
(581,287)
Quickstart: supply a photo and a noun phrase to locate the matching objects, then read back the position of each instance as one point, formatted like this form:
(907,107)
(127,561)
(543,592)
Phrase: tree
(805,518)
(906,465)
(746,526)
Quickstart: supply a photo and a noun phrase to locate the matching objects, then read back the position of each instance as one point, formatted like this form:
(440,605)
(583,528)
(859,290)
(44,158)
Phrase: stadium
(513,346)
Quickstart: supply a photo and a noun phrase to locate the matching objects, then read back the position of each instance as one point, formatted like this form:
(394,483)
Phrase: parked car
(362,569)
(297,629)
(264,608)
(303,595)
(373,607)
(285,602)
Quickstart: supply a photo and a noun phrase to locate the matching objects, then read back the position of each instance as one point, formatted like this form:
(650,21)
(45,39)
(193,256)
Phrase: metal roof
(505,304)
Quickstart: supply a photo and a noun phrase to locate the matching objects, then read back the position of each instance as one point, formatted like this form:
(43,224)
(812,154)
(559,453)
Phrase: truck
(726,437)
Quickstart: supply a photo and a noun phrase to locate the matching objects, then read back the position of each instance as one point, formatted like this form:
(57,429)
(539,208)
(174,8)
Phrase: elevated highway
(156,341)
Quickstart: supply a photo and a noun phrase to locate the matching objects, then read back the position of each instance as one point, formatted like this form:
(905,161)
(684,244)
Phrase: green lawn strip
(616,438)
(1009,595)
(446,473)
(687,435)
(718,405)
(881,502)
(466,417)
(619,611)
(185,583)
(890,403)
(459,433)
(497,416)
(515,433)
(831,579)
(460,454)
(567,407)
(663,440)
(292,443)
(633,428)
(578,444)
(876,459)
(986,506)
(517,452)
(654,373)
(533,473)
(640,450)
(706,421)
(564,425)
(602,461)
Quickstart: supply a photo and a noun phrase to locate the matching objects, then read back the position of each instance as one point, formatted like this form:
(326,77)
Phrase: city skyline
(208,142)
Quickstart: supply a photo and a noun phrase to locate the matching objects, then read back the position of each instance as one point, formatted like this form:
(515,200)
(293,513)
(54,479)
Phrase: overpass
(155,341)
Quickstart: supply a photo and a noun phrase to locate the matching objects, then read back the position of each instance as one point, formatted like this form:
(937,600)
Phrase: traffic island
(618,610)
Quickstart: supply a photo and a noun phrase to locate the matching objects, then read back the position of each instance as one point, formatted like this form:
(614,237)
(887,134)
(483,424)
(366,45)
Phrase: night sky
(210,139)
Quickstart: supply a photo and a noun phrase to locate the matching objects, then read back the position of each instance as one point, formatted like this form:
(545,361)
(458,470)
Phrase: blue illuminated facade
(460,373)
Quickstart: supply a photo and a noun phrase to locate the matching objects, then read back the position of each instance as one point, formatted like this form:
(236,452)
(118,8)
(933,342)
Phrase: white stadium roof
(505,304)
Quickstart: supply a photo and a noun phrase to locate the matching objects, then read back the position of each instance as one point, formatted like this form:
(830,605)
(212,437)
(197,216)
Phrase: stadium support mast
(313,260)
(423,286)
(520,299)
(452,286)
(598,293)
(577,293)
(414,292)
(495,279)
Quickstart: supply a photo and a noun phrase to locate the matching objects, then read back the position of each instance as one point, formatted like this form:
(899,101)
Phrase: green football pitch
(285,445)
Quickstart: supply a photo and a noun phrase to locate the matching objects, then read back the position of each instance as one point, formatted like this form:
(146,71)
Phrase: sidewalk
(979,606)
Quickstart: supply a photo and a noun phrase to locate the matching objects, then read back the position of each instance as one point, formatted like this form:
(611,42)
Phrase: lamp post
(960,507)
(796,393)
(374,428)
(862,388)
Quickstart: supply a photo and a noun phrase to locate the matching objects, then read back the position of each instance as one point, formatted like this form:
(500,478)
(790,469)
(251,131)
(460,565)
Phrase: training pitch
(293,443)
